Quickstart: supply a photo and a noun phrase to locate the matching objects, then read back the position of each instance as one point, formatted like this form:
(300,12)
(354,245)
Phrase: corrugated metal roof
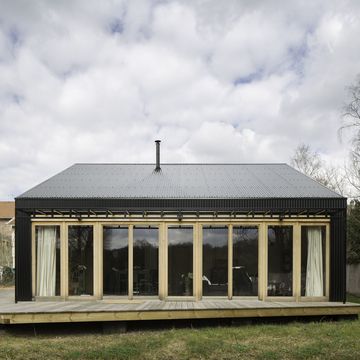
(180,181)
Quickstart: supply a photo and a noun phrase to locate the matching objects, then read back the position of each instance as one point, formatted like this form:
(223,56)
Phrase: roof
(180,181)
(7,209)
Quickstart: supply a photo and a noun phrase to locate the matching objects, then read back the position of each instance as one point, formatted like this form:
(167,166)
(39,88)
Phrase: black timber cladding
(275,204)
(23,270)
(335,207)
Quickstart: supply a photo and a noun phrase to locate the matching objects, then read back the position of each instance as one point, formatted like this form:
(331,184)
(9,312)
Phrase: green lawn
(320,340)
(353,298)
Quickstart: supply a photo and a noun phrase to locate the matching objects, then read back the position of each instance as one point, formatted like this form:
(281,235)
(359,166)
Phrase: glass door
(180,261)
(115,260)
(245,261)
(215,261)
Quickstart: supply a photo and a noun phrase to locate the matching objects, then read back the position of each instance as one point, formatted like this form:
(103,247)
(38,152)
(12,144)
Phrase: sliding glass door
(215,261)
(245,261)
(115,260)
(47,250)
(280,261)
(146,261)
(81,260)
(180,261)
(313,260)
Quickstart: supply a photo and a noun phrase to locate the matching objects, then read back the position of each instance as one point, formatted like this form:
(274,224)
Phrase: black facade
(335,208)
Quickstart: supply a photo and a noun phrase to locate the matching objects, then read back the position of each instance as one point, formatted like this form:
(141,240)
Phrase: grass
(330,340)
(353,298)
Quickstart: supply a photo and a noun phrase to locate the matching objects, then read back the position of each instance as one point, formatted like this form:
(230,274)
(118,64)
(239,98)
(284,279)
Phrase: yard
(317,340)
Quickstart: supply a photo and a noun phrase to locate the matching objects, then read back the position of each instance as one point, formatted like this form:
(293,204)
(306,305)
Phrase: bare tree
(310,163)
(307,161)
(351,117)
(351,113)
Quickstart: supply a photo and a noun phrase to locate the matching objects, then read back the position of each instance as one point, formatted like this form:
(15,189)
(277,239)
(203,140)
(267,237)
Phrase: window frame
(197,224)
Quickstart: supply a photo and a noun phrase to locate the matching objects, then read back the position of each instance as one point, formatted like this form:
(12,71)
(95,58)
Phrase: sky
(217,81)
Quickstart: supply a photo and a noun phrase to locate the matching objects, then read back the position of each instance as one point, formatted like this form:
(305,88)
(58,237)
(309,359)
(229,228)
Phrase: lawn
(320,340)
(353,298)
(314,340)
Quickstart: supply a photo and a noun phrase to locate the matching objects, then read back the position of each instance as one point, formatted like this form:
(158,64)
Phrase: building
(180,231)
(7,236)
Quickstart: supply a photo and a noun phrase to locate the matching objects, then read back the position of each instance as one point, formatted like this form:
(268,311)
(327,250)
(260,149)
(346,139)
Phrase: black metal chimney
(157,168)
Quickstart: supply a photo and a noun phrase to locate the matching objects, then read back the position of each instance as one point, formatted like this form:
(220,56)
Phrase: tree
(351,117)
(307,161)
(353,232)
(310,163)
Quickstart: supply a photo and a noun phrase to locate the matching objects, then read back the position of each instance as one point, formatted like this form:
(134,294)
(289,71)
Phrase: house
(180,231)
(7,237)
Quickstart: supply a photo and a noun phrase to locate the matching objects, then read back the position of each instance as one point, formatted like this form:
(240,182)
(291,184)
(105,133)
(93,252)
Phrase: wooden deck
(115,310)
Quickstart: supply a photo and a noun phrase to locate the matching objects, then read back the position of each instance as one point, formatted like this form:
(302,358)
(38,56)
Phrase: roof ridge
(283,163)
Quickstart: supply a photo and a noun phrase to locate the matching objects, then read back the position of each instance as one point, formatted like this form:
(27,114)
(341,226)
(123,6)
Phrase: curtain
(314,267)
(46,261)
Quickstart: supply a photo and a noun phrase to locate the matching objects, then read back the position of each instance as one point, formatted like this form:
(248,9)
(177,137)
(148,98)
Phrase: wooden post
(131,261)
(297,261)
(162,261)
(262,266)
(230,261)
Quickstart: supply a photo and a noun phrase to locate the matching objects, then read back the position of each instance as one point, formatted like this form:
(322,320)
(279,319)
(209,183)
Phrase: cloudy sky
(216,81)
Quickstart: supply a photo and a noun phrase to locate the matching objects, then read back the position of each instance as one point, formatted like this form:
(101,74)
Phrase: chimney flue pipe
(157,168)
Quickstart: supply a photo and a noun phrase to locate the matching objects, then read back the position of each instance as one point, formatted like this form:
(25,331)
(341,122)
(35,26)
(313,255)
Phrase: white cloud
(98,82)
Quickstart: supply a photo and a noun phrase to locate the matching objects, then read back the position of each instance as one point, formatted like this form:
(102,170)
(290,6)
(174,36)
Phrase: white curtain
(314,268)
(46,261)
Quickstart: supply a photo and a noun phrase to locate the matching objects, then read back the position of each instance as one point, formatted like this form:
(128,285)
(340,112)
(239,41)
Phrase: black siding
(275,204)
(338,257)
(23,290)
(336,207)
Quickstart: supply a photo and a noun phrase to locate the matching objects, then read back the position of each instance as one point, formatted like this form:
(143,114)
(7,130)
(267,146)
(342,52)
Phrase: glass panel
(313,262)
(180,261)
(81,260)
(115,260)
(280,260)
(215,261)
(245,261)
(47,260)
(146,261)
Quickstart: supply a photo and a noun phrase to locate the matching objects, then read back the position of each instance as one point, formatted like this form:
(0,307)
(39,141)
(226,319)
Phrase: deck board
(91,310)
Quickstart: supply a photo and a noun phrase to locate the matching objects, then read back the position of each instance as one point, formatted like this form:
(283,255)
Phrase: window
(146,261)
(280,260)
(180,261)
(215,261)
(313,260)
(47,260)
(245,261)
(80,260)
(115,260)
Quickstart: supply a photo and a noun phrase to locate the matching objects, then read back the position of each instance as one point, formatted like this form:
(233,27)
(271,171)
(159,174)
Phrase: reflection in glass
(115,261)
(80,260)
(245,261)
(280,260)
(215,261)
(47,260)
(180,261)
(313,260)
(146,261)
